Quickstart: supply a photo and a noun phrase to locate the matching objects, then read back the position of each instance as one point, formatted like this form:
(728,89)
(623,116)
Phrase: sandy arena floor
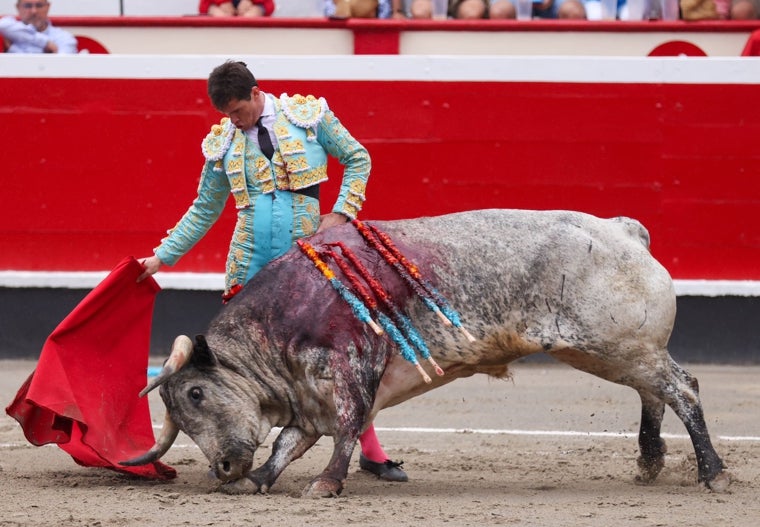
(552,447)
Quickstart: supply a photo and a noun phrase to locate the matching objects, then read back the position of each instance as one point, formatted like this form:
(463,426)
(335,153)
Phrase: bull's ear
(202,354)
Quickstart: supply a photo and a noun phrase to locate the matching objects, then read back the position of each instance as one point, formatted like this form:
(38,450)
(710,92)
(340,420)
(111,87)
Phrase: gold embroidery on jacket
(292,147)
(264,174)
(297,164)
(235,165)
(301,180)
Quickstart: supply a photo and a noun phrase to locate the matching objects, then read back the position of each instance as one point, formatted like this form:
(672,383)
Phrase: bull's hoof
(649,469)
(239,486)
(719,483)
(323,488)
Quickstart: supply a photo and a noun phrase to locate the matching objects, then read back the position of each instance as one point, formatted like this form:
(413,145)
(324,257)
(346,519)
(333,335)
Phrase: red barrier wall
(95,169)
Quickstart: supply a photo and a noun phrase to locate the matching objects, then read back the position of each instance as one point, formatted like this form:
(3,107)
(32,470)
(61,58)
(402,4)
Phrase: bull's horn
(180,354)
(163,443)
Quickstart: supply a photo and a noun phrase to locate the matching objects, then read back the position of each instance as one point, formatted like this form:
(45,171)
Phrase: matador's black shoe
(389,471)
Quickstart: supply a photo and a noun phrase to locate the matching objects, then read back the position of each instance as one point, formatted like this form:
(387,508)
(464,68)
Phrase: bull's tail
(635,229)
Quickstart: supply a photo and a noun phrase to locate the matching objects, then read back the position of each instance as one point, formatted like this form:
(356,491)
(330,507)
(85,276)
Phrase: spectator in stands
(247,8)
(720,9)
(567,9)
(33,32)
(412,8)
(738,9)
(460,9)
(593,9)
(468,9)
(358,8)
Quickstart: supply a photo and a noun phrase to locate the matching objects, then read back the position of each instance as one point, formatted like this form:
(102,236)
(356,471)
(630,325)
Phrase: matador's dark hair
(231,80)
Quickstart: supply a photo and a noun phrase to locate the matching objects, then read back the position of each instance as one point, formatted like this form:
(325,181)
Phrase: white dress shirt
(25,38)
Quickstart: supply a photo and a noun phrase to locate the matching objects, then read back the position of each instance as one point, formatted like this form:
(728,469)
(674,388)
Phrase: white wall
(160,7)
(298,8)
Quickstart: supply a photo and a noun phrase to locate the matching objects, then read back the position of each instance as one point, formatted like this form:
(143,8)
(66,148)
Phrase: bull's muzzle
(226,470)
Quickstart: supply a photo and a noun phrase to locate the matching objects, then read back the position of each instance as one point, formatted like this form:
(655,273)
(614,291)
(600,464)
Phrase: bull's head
(207,403)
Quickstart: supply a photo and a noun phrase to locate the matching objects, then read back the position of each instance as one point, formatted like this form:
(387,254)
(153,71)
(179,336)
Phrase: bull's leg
(330,482)
(651,445)
(291,444)
(353,393)
(684,400)
(671,385)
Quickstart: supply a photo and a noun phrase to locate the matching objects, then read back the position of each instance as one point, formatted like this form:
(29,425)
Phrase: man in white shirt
(32,32)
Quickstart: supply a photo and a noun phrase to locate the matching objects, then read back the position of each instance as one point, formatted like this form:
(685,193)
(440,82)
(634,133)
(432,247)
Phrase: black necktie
(265,142)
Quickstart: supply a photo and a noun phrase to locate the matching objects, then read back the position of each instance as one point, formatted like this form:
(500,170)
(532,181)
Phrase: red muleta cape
(83,394)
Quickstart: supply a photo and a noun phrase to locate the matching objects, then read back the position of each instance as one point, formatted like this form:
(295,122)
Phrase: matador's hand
(331,220)
(151,264)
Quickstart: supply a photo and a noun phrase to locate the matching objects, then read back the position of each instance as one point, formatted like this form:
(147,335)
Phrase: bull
(288,351)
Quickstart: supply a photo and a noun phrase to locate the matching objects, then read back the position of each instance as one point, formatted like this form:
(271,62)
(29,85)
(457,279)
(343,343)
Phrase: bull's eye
(196,394)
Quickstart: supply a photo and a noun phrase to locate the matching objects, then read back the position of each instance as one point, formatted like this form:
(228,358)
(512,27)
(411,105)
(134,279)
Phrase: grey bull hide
(289,352)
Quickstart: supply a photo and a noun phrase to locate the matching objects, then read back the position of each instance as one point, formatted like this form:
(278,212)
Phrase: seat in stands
(90,45)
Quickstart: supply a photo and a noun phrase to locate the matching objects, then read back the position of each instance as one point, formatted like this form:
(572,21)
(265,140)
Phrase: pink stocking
(371,447)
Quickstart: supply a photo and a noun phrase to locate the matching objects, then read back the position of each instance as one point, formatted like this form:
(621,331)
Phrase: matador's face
(245,112)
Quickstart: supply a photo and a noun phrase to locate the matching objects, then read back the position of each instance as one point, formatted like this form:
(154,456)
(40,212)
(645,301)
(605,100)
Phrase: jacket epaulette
(218,140)
(304,111)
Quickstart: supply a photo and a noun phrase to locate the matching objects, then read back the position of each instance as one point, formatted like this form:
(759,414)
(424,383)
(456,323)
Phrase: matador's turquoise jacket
(271,217)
